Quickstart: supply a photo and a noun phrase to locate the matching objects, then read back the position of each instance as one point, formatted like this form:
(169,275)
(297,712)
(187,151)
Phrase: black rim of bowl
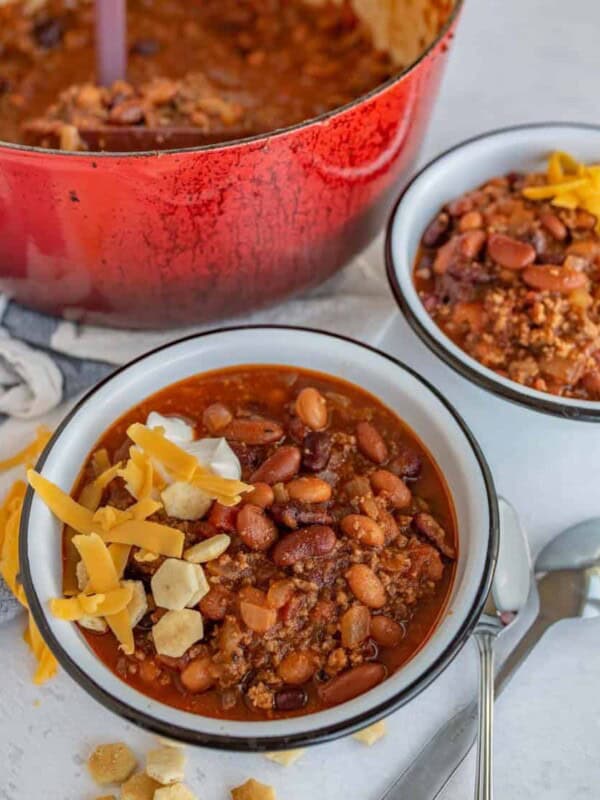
(282,742)
(458,364)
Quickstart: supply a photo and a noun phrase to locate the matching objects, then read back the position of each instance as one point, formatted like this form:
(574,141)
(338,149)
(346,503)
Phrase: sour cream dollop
(216,454)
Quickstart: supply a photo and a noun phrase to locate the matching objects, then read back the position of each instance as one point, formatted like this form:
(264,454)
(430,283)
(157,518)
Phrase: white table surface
(513,61)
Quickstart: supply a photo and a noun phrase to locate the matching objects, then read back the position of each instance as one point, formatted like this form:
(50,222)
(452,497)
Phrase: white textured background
(513,61)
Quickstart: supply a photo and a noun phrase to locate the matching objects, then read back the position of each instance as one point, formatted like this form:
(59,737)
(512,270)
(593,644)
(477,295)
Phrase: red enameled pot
(187,236)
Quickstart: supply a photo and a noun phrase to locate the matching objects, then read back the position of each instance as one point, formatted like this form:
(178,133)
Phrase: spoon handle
(483,781)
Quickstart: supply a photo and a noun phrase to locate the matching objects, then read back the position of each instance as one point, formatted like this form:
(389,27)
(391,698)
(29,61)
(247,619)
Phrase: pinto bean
(366,586)
(279,467)
(198,675)
(311,407)
(550,278)
(297,667)
(309,490)
(430,527)
(262,495)
(294,514)
(370,443)
(316,449)
(258,618)
(554,226)
(510,253)
(255,529)
(364,529)
(312,542)
(392,487)
(253,431)
(351,683)
(354,626)
(386,631)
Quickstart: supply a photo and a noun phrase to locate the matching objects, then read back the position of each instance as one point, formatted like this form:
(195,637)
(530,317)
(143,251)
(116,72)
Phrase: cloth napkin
(46,362)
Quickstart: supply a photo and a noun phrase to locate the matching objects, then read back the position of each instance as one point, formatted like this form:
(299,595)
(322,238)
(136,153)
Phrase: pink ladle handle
(111,40)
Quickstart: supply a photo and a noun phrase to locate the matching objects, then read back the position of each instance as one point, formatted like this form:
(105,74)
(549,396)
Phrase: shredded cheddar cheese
(154,443)
(10,520)
(570,184)
(29,454)
(95,605)
(148,535)
(61,504)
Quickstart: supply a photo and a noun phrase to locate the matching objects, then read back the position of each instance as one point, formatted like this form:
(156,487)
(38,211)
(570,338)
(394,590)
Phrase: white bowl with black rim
(522,148)
(432,419)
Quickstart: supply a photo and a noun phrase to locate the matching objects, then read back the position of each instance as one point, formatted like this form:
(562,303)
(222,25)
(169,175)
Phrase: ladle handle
(483,780)
(111,41)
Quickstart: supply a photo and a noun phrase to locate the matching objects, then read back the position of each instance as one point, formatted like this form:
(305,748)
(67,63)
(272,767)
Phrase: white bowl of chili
(445,441)
(533,378)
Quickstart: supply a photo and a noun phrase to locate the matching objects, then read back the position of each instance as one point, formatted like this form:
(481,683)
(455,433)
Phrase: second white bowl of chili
(523,329)
(426,447)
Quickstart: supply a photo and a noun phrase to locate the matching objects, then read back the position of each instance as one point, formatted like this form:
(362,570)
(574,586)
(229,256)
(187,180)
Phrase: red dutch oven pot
(187,236)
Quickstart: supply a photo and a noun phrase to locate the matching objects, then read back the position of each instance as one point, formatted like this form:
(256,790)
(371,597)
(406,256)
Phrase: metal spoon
(568,585)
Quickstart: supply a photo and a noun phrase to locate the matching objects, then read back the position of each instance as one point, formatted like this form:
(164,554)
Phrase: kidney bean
(406,463)
(215,603)
(510,253)
(262,495)
(554,226)
(312,542)
(366,586)
(223,517)
(364,529)
(436,230)
(393,487)
(290,699)
(424,523)
(311,407)
(351,683)
(280,467)
(297,667)
(386,631)
(309,490)
(253,431)
(198,675)
(371,443)
(550,278)
(48,33)
(216,417)
(354,626)
(316,449)
(255,529)
(145,47)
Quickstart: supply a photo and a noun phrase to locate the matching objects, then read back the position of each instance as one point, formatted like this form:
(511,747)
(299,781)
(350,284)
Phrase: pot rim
(463,364)
(260,137)
(328,732)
